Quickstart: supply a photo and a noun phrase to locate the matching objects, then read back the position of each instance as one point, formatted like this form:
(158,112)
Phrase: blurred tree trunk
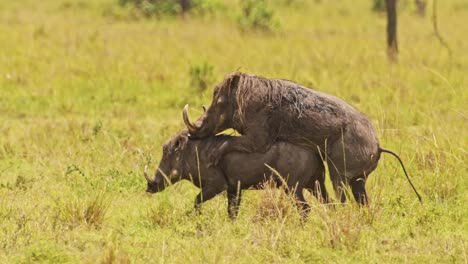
(185,4)
(421,5)
(436,27)
(392,29)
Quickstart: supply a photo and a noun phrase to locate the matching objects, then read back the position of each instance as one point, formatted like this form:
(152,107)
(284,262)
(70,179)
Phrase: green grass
(89,93)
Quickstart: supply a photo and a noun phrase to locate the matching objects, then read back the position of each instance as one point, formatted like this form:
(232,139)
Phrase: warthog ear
(234,80)
(181,142)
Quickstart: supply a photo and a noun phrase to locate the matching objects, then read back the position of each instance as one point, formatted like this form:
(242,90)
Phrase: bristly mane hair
(274,92)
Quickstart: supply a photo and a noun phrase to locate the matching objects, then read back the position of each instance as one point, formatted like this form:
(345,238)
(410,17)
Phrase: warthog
(265,110)
(187,159)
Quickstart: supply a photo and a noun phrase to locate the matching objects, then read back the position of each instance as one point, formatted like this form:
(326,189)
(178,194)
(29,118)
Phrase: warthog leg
(206,194)
(358,187)
(234,198)
(301,203)
(319,191)
(317,184)
(339,184)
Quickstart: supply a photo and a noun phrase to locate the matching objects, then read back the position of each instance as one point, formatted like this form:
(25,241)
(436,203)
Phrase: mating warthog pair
(267,111)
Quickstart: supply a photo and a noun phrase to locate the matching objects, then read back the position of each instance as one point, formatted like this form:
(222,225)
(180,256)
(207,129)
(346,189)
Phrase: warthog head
(171,168)
(219,116)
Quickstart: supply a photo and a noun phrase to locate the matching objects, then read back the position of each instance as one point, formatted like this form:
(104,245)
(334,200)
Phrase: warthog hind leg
(358,187)
(301,203)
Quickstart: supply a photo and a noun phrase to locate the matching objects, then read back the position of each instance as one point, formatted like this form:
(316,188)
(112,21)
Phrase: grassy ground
(88,94)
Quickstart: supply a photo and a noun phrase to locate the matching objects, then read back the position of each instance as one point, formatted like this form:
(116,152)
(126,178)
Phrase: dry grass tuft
(343,229)
(89,211)
(162,215)
(275,203)
(345,223)
(114,256)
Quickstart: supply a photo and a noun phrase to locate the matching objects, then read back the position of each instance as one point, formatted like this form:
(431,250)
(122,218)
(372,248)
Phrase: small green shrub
(154,7)
(381,5)
(378,5)
(290,2)
(258,15)
(202,76)
(206,6)
(45,253)
(150,8)
(21,183)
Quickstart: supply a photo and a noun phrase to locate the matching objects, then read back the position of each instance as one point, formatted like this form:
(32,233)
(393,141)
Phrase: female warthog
(295,168)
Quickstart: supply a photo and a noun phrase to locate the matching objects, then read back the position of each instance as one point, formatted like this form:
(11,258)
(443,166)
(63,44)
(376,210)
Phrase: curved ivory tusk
(191,127)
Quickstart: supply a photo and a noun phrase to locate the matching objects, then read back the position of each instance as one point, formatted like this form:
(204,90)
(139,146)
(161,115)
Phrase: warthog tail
(404,170)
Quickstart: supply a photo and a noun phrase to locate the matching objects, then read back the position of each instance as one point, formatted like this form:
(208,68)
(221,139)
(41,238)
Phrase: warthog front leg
(234,199)
(206,194)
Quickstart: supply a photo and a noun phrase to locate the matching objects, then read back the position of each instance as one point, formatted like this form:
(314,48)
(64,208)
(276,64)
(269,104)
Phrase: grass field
(89,93)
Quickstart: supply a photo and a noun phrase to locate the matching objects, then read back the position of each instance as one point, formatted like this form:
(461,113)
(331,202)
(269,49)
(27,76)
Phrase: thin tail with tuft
(404,170)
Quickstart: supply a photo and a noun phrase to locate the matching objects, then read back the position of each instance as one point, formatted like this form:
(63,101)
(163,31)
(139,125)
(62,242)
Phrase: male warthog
(187,159)
(268,110)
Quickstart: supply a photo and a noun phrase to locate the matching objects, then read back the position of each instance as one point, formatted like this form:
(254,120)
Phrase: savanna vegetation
(91,89)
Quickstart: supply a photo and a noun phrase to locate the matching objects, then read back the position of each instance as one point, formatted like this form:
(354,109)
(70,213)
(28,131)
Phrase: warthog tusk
(191,127)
